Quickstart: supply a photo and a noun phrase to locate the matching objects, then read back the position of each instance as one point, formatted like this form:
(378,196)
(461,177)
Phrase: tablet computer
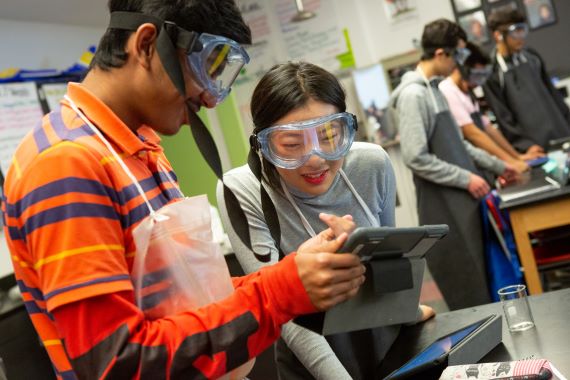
(537,161)
(392,242)
(395,268)
(437,354)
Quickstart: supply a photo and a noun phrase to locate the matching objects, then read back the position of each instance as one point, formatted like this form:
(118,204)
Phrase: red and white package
(540,369)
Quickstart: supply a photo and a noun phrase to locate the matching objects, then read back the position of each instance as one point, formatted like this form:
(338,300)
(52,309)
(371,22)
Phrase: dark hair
(220,17)
(441,34)
(477,57)
(503,17)
(289,86)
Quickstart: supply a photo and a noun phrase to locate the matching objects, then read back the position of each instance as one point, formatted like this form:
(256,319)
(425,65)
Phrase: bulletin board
(276,38)
(545,36)
(22,106)
(472,15)
(20,111)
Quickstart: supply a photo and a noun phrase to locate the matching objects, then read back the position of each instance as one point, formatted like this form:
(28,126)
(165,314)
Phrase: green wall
(194,174)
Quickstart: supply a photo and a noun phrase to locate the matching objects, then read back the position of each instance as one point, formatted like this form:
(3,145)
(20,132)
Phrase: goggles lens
(461,54)
(518,31)
(290,146)
(478,76)
(218,64)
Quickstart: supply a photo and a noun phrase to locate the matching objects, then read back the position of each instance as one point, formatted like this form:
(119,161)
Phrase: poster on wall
(263,51)
(398,10)
(20,111)
(475,26)
(373,96)
(503,6)
(276,38)
(466,5)
(318,40)
(540,13)
(53,93)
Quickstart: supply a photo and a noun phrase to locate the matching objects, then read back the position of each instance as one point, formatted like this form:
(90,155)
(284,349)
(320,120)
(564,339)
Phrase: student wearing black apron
(475,127)
(528,108)
(447,183)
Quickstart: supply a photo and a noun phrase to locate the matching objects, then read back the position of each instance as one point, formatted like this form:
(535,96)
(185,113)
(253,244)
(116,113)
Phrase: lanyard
(304,220)
(153,214)
(517,60)
(430,90)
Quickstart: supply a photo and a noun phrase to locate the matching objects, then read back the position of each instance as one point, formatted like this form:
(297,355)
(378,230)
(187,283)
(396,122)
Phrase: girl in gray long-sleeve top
(310,166)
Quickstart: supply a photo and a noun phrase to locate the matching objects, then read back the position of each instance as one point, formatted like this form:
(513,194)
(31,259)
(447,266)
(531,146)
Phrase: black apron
(537,114)
(457,262)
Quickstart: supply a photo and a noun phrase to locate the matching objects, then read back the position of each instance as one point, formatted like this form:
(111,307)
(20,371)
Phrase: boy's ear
(144,44)
(498,35)
(439,52)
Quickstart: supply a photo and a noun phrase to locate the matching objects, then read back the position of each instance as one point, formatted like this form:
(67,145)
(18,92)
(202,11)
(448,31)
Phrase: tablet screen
(438,348)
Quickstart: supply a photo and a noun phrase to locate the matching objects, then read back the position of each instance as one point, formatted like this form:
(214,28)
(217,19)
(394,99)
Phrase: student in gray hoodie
(448,185)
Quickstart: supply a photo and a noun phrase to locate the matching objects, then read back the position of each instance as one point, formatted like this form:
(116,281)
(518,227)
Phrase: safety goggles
(215,61)
(518,31)
(289,146)
(478,76)
(460,55)
(217,64)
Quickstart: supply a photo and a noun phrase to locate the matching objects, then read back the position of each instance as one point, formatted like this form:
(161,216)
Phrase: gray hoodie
(416,120)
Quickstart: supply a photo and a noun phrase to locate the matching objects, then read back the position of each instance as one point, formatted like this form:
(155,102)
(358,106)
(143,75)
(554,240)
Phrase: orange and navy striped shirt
(69,210)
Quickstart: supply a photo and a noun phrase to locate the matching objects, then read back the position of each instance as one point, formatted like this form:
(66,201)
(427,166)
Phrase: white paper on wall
(53,93)
(20,111)
(317,40)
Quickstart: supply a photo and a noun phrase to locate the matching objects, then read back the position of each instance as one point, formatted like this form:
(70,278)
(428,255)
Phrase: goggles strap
(167,53)
(209,151)
(267,206)
(131,20)
(464,71)
(166,48)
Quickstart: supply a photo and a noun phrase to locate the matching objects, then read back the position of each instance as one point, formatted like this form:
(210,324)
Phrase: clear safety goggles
(460,55)
(478,76)
(289,146)
(215,61)
(217,64)
(518,31)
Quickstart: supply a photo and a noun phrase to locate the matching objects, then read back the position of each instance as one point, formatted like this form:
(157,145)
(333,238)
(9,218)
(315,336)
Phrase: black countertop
(550,339)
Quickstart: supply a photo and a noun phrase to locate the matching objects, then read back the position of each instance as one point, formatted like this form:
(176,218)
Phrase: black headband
(170,37)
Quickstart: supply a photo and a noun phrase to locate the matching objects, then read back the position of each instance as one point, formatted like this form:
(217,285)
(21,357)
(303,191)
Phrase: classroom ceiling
(89,13)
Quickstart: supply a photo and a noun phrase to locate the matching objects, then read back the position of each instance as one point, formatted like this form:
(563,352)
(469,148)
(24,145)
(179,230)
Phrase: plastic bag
(177,265)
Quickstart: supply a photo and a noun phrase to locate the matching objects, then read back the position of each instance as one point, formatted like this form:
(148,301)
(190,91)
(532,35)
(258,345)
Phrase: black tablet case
(469,351)
(390,295)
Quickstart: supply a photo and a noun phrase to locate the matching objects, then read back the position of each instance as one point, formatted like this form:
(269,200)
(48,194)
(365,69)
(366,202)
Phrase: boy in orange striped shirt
(70,209)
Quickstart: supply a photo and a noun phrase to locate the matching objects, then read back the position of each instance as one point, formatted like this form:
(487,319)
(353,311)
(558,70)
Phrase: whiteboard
(53,93)
(6,267)
(20,111)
